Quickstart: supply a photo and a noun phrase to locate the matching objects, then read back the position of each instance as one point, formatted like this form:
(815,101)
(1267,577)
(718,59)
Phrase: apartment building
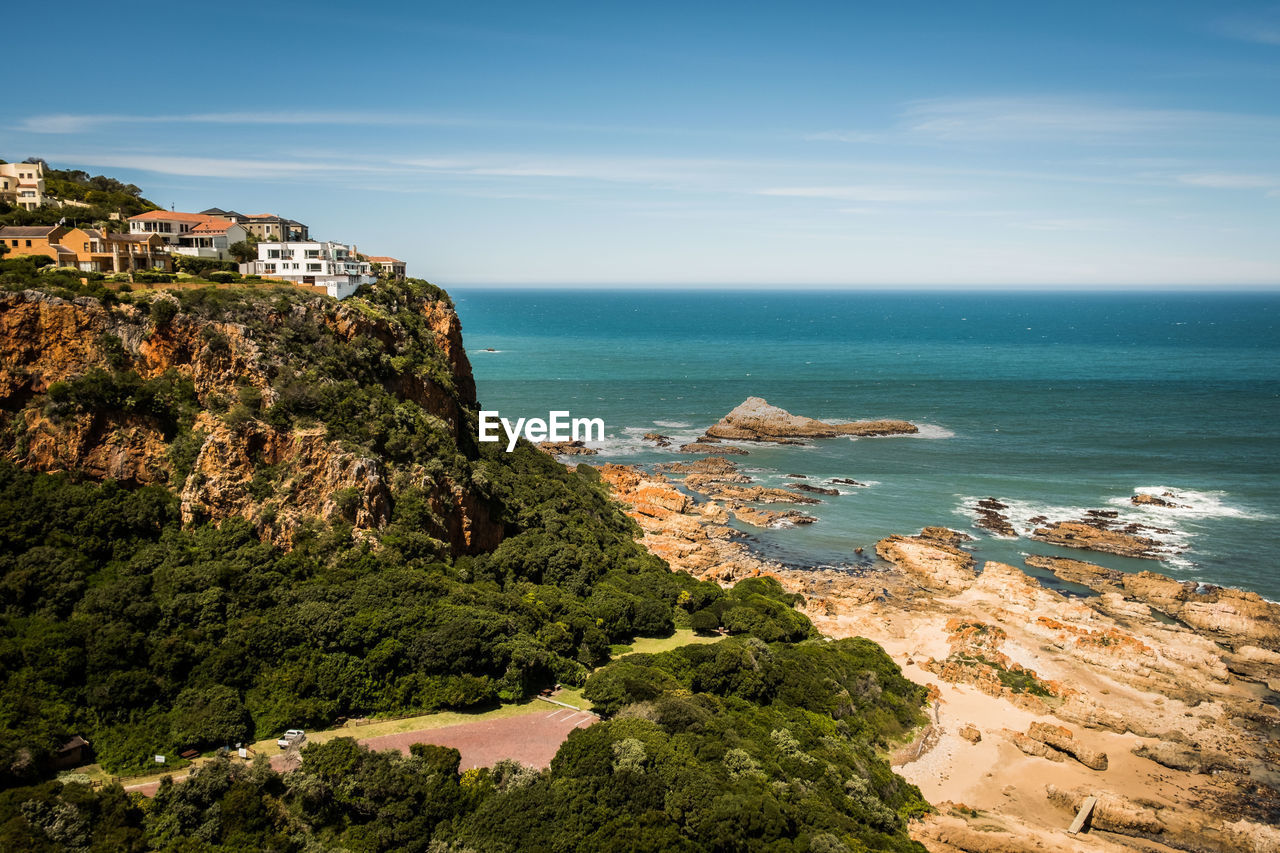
(265,226)
(334,266)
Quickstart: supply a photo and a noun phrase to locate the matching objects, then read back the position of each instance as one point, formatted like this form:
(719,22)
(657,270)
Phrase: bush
(163,310)
(224,277)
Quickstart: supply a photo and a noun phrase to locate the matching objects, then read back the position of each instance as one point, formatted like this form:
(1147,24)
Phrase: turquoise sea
(1054,403)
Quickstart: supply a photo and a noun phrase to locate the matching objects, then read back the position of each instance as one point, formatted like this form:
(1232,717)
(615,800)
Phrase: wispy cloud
(1077,120)
(849,136)
(1261,27)
(214,167)
(84,122)
(1231,181)
(863,193)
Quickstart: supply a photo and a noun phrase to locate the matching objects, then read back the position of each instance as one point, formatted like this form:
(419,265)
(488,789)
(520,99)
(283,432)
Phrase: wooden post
(1082,817)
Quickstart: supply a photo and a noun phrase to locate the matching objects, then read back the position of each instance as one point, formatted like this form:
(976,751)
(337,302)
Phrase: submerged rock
(818,490)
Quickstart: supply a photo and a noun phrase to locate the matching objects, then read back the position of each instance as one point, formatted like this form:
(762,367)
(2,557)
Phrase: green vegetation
(144,635)
(738,767)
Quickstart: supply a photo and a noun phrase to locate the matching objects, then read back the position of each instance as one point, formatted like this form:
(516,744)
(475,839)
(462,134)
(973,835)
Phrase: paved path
(531,739)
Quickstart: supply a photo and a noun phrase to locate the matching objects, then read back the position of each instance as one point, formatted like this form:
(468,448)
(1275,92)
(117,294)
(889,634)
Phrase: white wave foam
(1189,503)
(672,424)
(933,431)
(1176,540)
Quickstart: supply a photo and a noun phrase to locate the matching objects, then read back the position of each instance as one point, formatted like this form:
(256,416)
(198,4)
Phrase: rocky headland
(1150,695)
(109,391)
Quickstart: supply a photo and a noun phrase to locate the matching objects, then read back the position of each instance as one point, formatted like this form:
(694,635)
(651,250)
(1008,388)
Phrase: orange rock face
(45,339)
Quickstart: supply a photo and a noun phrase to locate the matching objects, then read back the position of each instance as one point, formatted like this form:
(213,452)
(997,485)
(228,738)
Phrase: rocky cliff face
(228,452)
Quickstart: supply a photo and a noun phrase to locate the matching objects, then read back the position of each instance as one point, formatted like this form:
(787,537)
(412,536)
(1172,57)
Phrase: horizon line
(1235,287)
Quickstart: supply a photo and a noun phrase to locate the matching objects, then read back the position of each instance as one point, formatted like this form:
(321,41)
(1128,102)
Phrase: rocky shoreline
(1150,694)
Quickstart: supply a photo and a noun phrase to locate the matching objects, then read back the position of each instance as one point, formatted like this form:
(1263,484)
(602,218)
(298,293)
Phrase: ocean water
(1054,403)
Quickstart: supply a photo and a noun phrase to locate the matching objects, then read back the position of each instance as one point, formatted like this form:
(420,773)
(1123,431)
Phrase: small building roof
(212,225)
(382,259)
(28,230)
(170,216)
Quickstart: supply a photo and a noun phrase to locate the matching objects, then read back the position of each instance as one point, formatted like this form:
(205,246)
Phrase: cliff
(273,404)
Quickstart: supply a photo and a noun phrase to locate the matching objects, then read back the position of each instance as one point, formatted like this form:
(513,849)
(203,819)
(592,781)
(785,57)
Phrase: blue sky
(853,143)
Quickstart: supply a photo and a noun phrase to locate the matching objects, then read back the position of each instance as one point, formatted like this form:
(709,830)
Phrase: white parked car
(293,737)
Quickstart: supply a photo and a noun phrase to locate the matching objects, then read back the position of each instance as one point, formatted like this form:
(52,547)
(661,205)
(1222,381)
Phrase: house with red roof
(390,267)
(194,234)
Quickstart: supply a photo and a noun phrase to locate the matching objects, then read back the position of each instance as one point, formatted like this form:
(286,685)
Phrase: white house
(193,234)
(333,266)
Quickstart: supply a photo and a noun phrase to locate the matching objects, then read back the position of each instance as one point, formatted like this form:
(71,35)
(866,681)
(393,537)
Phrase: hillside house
(265,226)
(390,267)
(88,249)
(333,266)
(22,184)
(193,234)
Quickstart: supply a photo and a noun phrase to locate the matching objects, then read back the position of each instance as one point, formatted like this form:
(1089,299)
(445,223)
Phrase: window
(28,244)
(268,267)
(15,242)
(313,268)
(273,253)
(313,253)
(86,247)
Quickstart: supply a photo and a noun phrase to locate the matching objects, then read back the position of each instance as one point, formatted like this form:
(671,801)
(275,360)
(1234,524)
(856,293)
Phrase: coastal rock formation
(990,516)
(1062,739)
(1233,617)
(704,446)
(657,438)
(756,420)
(716,465)
(1094,537)
(691,537)
(817,490)
(768,517)
(567,448)
(934,564)
(1164,500)
(946,536)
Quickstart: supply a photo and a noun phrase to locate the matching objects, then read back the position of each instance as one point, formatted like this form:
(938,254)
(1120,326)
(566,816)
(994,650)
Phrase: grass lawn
(653,645)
